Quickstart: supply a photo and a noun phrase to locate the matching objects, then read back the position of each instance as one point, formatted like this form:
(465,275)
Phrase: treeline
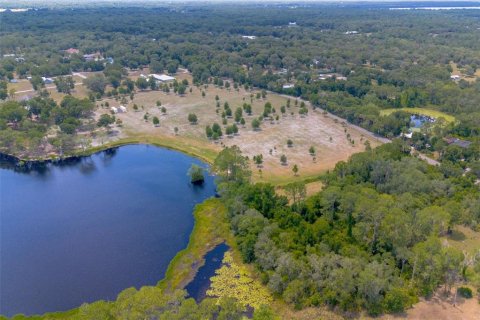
(153,303)
(371,239)
(24,127)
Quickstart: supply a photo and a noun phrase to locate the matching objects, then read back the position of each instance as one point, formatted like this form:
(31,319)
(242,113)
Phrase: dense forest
(369,240)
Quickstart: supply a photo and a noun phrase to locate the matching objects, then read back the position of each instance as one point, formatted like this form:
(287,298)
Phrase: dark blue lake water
(85,230)
(198,287)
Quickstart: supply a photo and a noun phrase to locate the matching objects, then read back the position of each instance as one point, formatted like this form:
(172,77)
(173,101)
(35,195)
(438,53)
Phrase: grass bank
(211,228)
(423,111)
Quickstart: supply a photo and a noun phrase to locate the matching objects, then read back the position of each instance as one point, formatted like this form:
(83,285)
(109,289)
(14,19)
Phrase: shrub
(465,292)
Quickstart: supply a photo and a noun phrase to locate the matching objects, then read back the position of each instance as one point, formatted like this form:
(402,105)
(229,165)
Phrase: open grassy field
(328,136)
(459,72)
(23,88)
(423,111)
(334,140)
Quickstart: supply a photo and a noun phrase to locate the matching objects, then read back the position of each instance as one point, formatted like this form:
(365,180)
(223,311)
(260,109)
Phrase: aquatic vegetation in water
(234,281)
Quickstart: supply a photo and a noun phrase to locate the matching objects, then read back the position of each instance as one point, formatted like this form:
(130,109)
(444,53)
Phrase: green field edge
(422,111)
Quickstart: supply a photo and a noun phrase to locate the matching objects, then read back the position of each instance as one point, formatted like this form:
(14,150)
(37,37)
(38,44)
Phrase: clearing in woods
(421,111)
(332,140)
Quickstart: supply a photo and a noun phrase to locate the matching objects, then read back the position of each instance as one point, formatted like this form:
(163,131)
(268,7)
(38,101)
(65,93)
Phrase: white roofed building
(161,77)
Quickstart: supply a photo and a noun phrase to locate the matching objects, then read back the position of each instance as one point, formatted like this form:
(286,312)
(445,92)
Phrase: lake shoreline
(210,229)
(25,161)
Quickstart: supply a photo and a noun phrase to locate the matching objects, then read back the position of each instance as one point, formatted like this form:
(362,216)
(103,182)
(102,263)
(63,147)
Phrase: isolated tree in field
(96,83)
(283,159)
(231,165)
(208,132)
(224,121)
(258,159)
(175,130)
(64,84)
(192,118)
(242,122)
(196,174)
(164,110)
(238,114)
(289,143)
(135,107)
(203,94)
(267,109)
(156,121)
(228,112)
(217,98)
(255,124)
(217,129)
(288,102)
(37,83)
(152,84)
(247,108)
(181,89)
(234,128)
(142,83)
(312,150)
(145,117)
(229,131)
(105,120)
(158,103)
(283,110)
(303,111)
(295,169)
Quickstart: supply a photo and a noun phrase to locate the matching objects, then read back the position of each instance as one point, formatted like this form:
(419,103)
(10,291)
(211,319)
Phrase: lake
(85,229)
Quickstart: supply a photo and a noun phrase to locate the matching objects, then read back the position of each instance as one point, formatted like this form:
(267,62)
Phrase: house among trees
(93,56)
(458,142)
(159,78)
(47,80)
(71,51)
